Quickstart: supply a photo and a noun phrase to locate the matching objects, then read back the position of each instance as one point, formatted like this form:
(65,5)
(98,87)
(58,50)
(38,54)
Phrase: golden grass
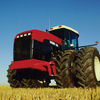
(8,93)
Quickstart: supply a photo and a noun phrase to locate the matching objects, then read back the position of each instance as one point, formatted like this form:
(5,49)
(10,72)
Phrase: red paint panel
(31,63)
(34,64)
(41,36)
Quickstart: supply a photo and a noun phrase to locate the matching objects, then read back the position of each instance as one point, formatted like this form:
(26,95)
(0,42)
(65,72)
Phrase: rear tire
(63,62)
(88,67)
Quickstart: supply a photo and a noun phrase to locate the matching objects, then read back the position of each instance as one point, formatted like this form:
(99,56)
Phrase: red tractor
(41,56)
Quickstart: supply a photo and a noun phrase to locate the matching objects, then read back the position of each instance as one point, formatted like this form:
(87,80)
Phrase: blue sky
(20,15)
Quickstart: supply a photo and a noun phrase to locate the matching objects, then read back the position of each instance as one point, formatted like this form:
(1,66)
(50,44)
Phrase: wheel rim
(97,68)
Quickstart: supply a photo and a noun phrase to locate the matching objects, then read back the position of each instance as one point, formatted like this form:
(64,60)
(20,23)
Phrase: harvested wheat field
(8,93)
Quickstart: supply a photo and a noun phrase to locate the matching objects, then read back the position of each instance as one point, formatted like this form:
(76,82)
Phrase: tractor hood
(40,36)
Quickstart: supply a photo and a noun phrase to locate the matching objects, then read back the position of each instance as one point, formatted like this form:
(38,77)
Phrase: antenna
(49,22)
(49,25)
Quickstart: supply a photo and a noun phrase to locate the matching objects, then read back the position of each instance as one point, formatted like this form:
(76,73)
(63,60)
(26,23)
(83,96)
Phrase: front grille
(22,48)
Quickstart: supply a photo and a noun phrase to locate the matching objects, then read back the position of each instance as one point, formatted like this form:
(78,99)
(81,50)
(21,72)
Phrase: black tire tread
(64,75)
(24,83)
(84,69)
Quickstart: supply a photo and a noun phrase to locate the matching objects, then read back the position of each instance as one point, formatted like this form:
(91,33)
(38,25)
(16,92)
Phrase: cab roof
(63,26)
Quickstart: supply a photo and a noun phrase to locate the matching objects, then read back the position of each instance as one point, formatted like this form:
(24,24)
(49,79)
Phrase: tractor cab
(68,35)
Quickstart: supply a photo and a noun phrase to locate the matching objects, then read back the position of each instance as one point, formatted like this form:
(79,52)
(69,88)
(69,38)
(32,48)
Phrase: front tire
(31,83)
(63,62)
(27,78)
(13,79)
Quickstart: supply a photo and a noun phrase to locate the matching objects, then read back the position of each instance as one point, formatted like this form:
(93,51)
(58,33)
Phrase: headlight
(53,43)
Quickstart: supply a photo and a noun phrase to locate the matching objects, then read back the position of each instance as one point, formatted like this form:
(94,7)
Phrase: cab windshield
(68,37)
